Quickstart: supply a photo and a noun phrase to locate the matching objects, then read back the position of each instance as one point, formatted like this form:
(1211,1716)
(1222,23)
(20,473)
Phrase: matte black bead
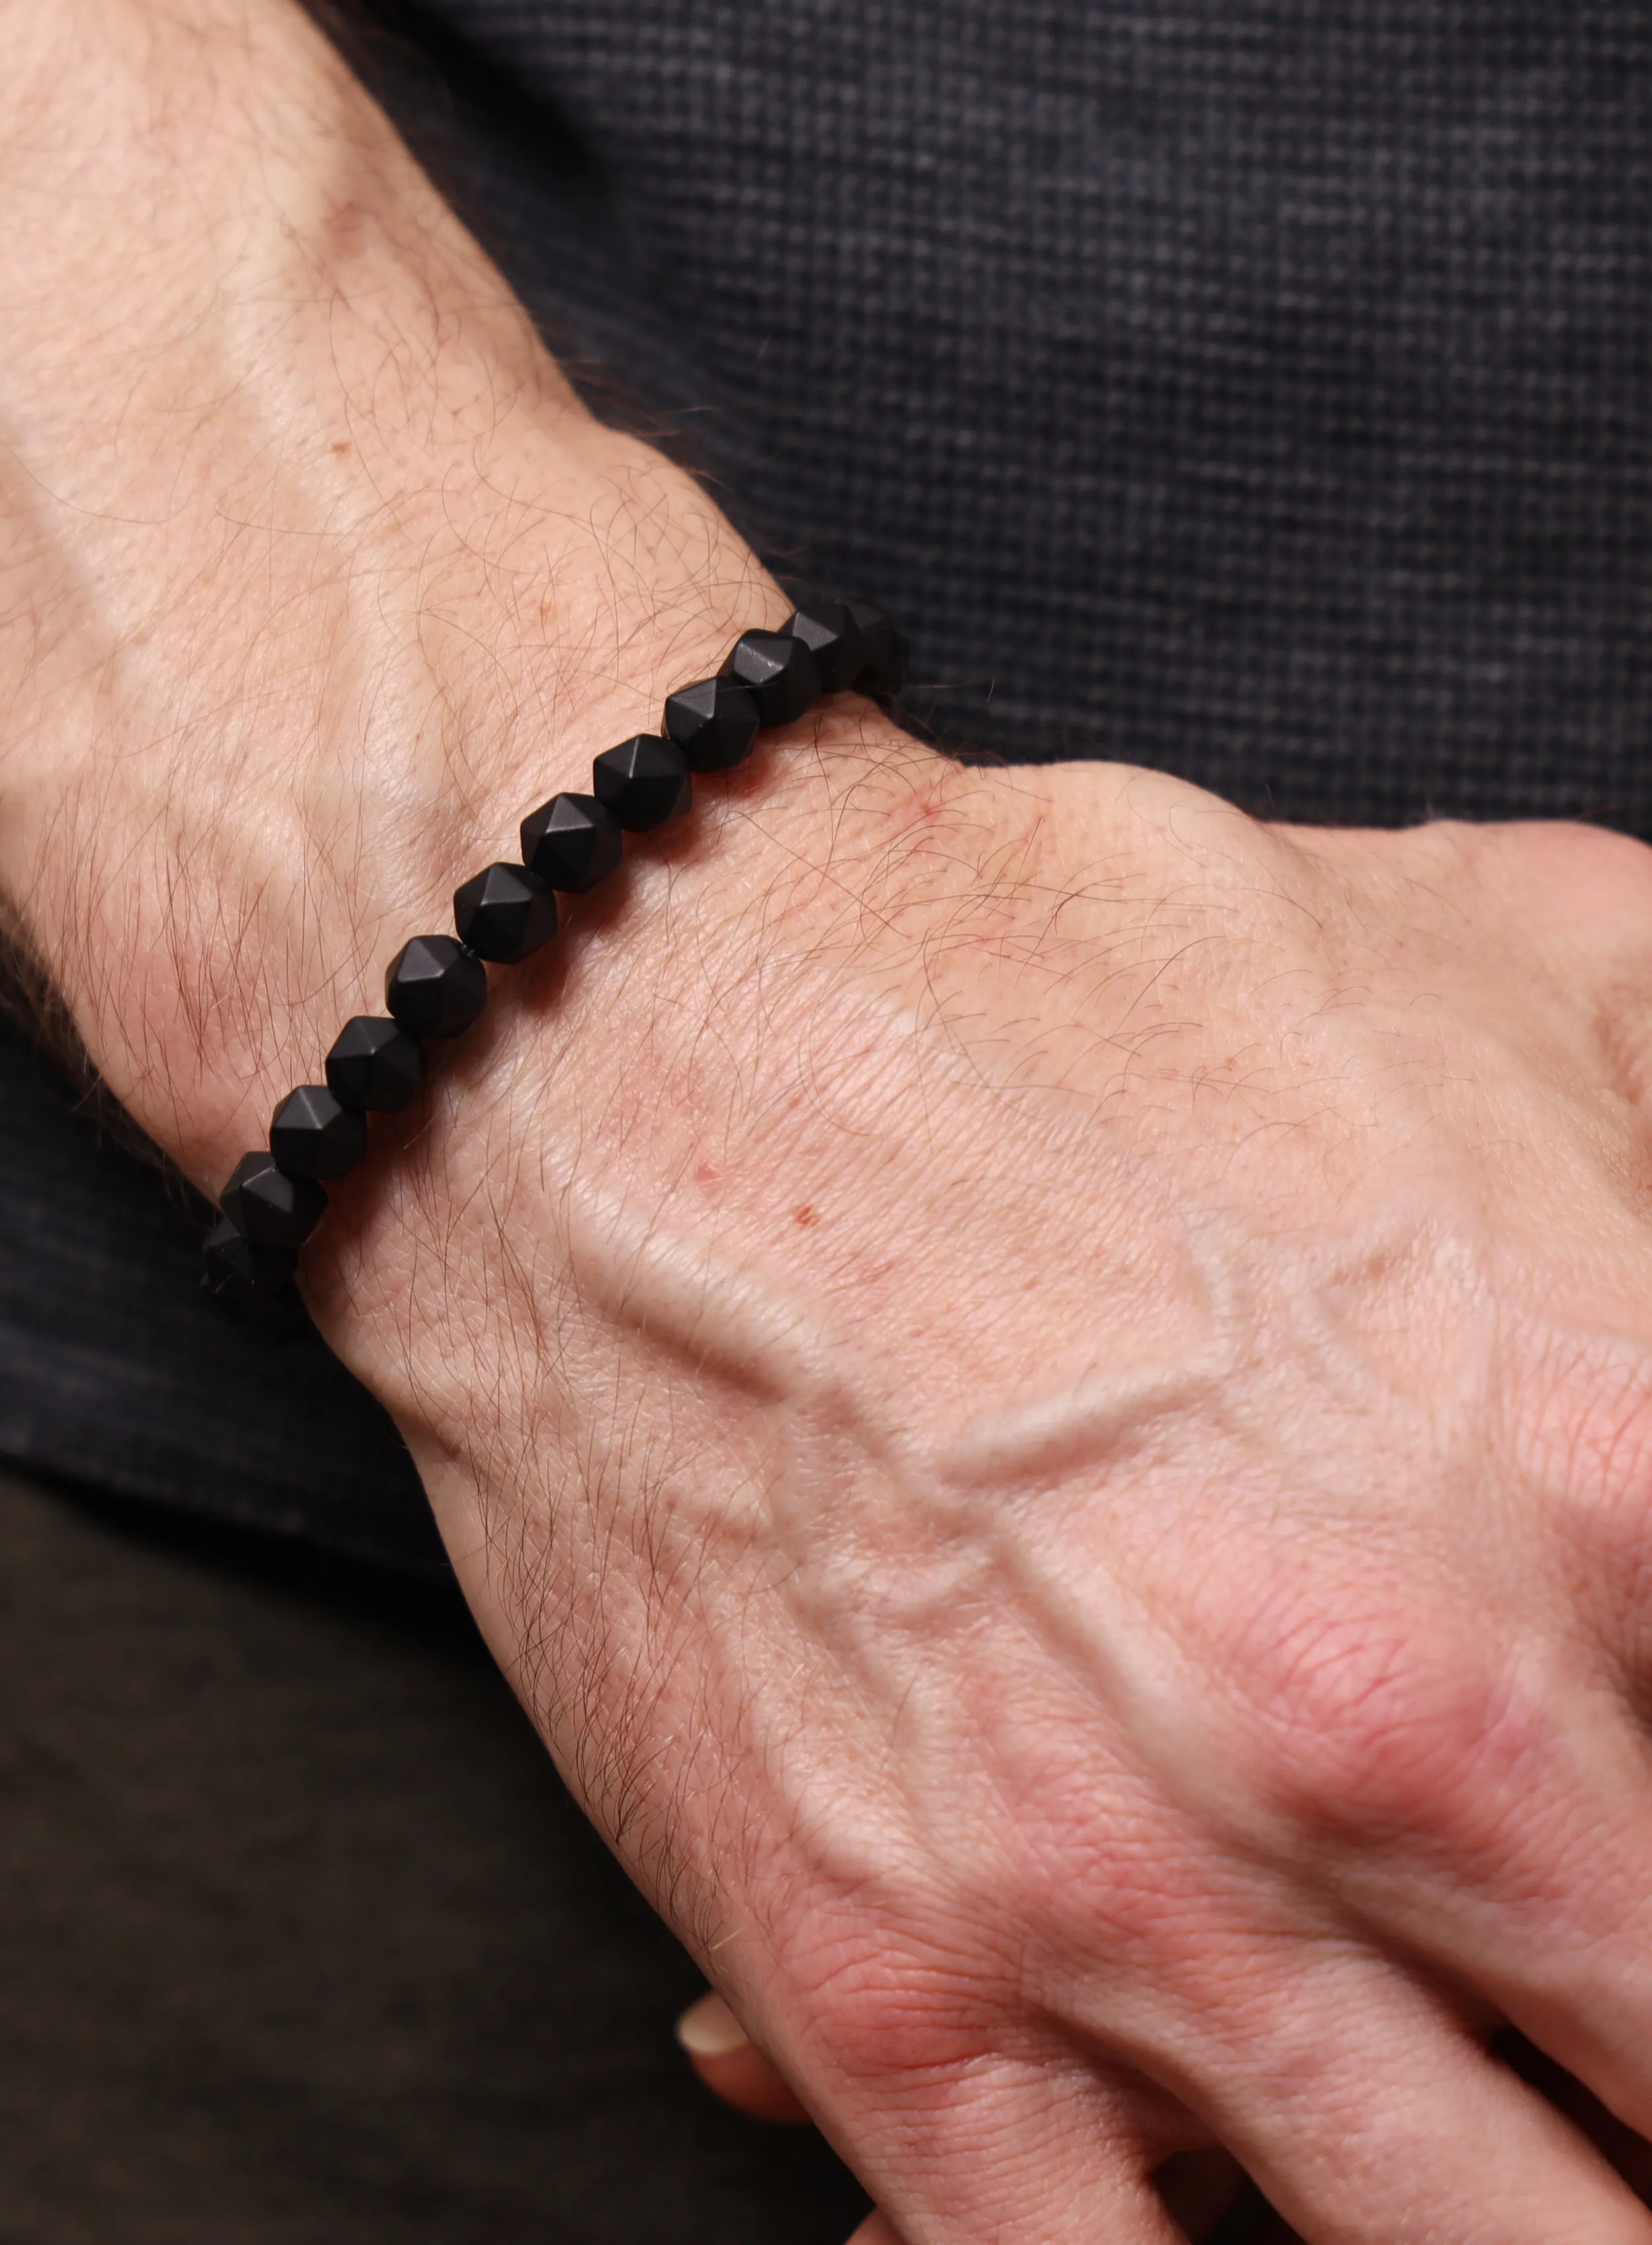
(837,643)
(504,913)
(435,987)
(777,671)
(374,1065)
(314,1134)
(885,671)
(268,1207)
(644,782)
(713,723)
(253,1285)
(571,842)
(233,1267)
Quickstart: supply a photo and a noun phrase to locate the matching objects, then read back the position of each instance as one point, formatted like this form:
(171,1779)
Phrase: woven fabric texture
(1259,392)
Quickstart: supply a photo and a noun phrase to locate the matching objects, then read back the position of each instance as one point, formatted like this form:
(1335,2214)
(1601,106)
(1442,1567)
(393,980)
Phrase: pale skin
(1046,1392)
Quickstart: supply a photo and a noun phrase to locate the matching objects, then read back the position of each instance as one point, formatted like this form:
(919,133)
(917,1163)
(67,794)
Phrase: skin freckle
(805,1215)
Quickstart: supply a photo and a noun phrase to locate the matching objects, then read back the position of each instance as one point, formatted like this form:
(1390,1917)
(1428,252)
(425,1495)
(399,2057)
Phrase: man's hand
(1046,1393)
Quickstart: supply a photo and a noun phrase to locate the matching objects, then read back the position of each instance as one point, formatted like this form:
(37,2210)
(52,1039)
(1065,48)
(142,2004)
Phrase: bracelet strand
(436,985)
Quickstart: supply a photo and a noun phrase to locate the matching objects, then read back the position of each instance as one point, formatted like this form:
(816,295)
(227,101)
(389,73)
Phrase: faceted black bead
(570,842)
(314,1134)
(233,1267)
(374,1064)
(435,987)
(255,1285)
(713,723)
(837,643)
(777,671)
(885,671)
(504,913)
(644,782)
(268,1207)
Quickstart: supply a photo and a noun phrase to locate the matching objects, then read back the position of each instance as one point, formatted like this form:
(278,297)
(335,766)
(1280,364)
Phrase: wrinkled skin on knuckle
(1371,1721)
(1344,1668)
(912,2022)
(966,2105)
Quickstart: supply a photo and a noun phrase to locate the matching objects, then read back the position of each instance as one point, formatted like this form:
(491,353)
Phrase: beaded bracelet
(437,985)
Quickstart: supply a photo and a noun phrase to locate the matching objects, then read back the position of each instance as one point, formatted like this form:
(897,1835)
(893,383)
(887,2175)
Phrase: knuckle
(1373,1721)
(910,2024)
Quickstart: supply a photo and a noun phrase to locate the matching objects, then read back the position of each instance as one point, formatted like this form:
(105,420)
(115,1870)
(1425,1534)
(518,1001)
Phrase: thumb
(729,2063)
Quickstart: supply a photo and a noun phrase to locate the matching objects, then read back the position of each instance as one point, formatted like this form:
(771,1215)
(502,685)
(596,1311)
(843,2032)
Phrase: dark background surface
(301,1941)
(1258,392)
(116,1371)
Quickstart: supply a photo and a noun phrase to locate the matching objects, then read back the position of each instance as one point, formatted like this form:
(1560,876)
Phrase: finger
(1369,2115)
(1253,2222)
(1026,2152)
(1544,1911)
(731,2065)
(1484,1805)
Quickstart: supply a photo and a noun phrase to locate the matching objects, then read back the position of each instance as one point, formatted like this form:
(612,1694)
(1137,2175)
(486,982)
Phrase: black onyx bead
(504,913)
(314,1134)
(885,671)
(268,1207)
(255,1285)
(570,842)
(435,987)
(777,671)
(837,643)
(644,782)
(374,1064)
(233,1267)
(713,723)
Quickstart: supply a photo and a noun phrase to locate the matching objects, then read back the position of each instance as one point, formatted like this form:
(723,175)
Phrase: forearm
(221,554)
(318,577)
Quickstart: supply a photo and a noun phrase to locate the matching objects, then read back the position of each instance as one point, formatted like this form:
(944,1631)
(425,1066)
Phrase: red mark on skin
(341,447)
(805,1215)
(705,1175)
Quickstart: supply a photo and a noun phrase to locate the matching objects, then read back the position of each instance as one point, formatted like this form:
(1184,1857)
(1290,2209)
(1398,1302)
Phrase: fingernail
(710,2029)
